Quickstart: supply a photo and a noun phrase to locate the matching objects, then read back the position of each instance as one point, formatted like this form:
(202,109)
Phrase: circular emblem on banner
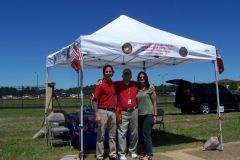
(127,48)
(183,51)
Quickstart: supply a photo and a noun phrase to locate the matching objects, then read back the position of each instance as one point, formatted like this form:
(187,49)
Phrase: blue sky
(30,30)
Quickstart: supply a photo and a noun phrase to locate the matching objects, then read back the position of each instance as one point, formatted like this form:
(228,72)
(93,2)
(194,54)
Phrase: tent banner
(102,47)
(58,58)
(64,57)
(169,50)
(156,49)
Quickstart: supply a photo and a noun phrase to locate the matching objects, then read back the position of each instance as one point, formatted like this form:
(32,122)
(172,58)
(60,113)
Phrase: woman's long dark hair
(106,66)
(146,79)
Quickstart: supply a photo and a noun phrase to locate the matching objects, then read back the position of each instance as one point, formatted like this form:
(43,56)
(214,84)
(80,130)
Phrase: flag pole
(76,63)
(81,154)
(80,81)
(46,104)
(218,106)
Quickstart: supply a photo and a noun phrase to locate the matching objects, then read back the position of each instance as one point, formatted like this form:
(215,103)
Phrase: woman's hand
(154,119)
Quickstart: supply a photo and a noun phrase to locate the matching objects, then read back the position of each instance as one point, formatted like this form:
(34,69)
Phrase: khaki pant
(129,120)
(108,121)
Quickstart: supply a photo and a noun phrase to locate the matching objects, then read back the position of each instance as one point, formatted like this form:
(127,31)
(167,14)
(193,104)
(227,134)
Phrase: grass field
(60,102)
(17,126)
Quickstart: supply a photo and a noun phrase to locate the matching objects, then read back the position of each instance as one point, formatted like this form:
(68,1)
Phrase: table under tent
(128,43)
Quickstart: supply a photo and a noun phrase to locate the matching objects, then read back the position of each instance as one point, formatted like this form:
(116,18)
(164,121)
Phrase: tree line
(87,90)
(21,91)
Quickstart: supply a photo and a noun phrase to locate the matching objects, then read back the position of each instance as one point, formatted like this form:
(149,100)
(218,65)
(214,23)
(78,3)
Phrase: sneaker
(146,157)
(123,157)
(98,157)
(134,156)
(113,158)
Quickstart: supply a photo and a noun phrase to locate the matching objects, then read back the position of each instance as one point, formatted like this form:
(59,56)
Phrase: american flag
(220,63)
(76,57)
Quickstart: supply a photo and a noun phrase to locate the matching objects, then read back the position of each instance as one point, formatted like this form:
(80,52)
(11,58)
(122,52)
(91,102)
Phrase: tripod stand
(54,96)
(50,95)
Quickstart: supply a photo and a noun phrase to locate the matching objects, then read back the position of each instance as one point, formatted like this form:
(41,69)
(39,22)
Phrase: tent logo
(183,51)
(127,48)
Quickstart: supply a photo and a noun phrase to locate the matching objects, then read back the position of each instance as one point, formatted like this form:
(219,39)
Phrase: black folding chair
(160,118)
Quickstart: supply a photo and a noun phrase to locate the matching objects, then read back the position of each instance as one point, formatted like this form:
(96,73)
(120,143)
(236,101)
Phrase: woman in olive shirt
(147,111)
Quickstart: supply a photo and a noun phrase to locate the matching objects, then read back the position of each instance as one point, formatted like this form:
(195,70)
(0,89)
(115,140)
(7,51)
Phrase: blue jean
(145,123)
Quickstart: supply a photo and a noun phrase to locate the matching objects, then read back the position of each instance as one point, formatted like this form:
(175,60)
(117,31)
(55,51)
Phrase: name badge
(129,101)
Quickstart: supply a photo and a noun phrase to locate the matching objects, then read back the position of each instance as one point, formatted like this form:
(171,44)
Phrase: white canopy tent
(150,45)
(127,43)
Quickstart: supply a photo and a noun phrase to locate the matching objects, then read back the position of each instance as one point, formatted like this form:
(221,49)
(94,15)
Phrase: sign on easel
(49,96)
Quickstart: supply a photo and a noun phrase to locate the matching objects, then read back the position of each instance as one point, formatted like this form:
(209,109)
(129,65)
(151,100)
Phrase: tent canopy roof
(126,42)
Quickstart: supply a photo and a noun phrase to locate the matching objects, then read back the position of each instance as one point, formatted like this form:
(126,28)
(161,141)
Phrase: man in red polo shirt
(126,91)
(104,104)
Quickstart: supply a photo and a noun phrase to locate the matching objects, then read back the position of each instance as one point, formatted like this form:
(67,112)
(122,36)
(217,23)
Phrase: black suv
(202,97)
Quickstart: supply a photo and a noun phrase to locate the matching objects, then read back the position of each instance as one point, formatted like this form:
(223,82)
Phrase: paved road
(231,152)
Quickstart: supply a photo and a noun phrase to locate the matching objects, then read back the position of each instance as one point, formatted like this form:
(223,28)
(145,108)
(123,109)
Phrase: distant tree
(8,91)
(224,84)
(165,88)
(172,88)
(233,86)
(74,90)
(87,90)
(59,91)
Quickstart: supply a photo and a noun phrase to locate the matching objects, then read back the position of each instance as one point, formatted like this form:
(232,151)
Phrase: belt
(128,109)
(108,109)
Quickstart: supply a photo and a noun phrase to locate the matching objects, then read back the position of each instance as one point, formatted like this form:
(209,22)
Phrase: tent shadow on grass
(162,138)
(159,138)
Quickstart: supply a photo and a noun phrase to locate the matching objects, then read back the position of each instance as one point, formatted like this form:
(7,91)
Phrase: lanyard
(129,90)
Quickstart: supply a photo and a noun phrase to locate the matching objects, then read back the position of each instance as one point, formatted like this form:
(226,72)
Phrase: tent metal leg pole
(218,106)
(81,154)
(46,105)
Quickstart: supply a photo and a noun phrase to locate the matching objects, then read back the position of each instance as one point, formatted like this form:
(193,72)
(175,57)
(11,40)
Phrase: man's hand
(98,117)
(99,82)
(152,86)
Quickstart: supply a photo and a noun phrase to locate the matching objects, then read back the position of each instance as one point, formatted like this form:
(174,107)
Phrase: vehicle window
(201,89)
(186,92)
(223,90)
(212,88)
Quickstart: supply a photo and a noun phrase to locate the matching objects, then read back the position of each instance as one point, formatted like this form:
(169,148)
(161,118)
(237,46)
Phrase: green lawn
(60,102)
(17,126)
(40,103)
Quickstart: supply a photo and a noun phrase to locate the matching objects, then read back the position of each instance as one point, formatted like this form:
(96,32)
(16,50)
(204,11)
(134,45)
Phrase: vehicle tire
(205,108)
(189,111)
(183,110)
(238,107)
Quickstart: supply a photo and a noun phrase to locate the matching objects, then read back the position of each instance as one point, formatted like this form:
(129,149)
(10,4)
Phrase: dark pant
(145,125)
